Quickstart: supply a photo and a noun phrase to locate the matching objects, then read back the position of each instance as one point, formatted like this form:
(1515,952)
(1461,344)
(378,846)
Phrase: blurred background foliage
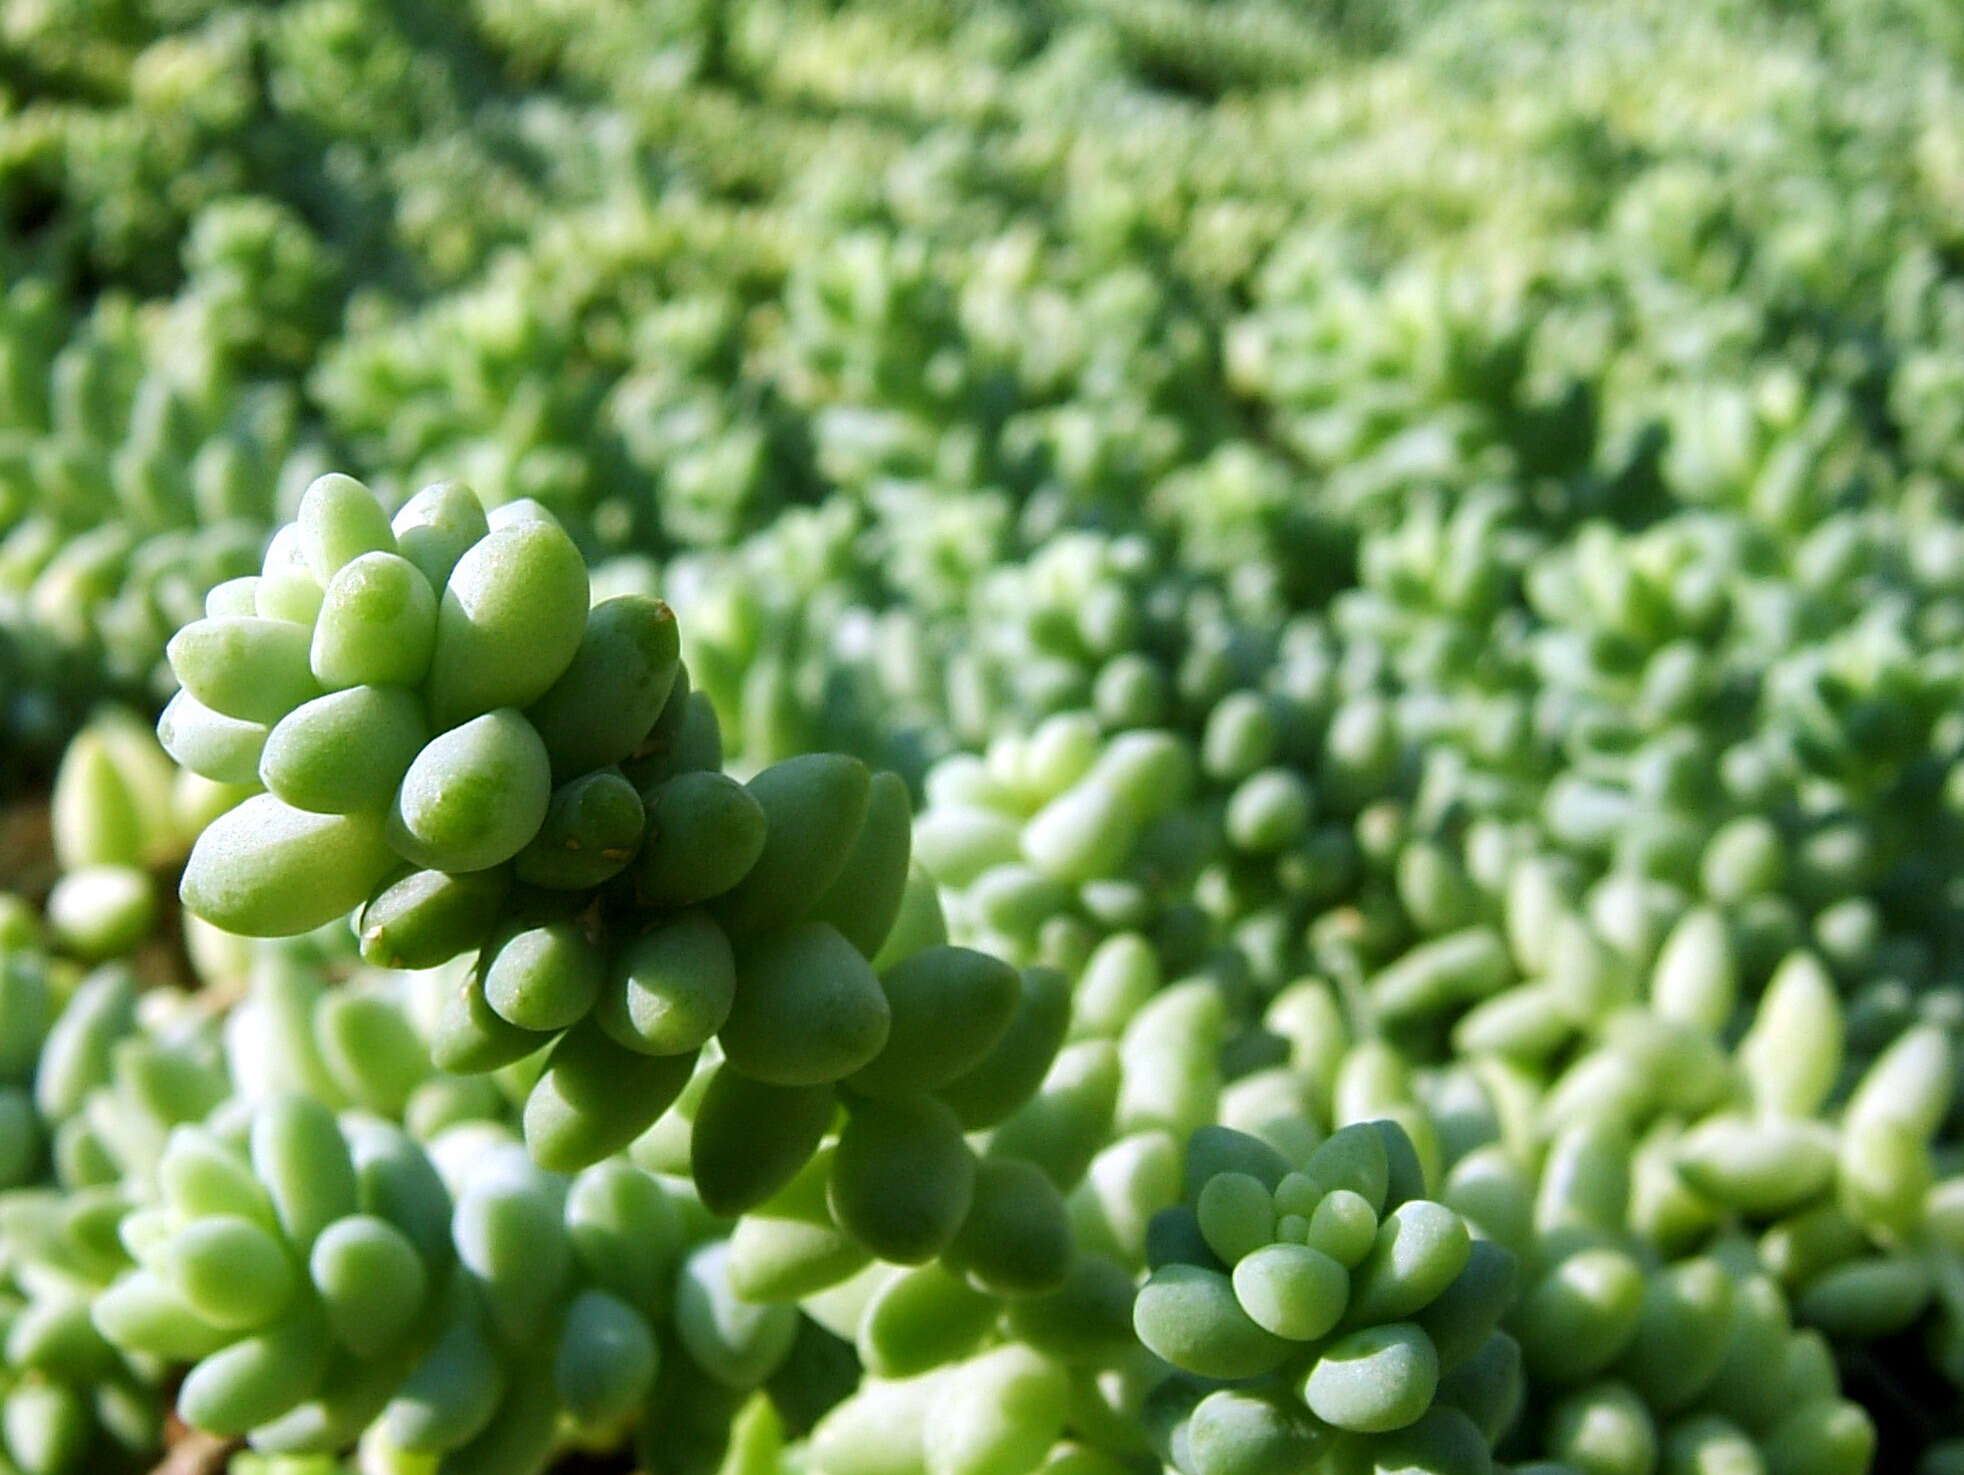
(873,296)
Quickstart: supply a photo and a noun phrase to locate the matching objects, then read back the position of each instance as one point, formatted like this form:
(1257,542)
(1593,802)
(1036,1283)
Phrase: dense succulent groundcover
(880,739)
(599,1099)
